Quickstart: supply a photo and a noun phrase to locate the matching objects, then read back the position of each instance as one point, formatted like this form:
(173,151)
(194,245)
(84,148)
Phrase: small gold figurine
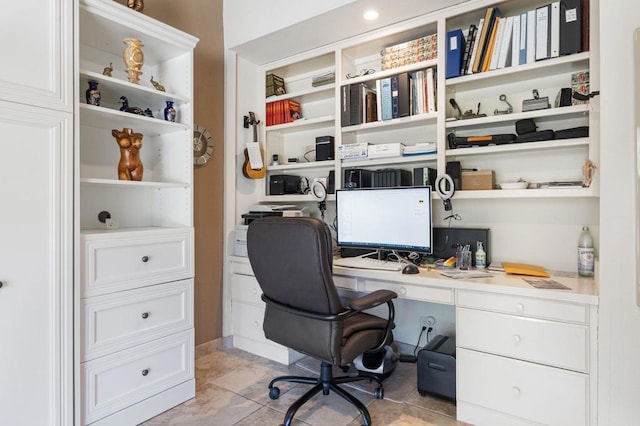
(588,170)
(157,85)
(136,5)
(108,71)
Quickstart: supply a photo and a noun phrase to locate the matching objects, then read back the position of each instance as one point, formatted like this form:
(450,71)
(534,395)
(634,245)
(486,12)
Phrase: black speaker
(454,169)
(324,148)
(357,178)
(331,182)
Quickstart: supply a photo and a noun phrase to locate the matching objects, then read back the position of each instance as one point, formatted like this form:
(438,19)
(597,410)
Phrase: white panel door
(36,53)
(35,266)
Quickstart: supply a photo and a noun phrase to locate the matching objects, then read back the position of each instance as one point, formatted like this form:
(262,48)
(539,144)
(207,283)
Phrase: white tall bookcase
(135,328)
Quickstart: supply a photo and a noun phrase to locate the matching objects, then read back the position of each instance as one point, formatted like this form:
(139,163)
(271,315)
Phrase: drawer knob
(145,371)
(256,324)
(145,259)
(519,307)
(145,315)
(403,290)
(516,391)
(255,291)
(516,339)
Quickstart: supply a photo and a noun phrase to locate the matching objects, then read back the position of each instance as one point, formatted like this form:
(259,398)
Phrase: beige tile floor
(231,389)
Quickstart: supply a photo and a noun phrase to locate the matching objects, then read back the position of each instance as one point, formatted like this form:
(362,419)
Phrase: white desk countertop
(582,290)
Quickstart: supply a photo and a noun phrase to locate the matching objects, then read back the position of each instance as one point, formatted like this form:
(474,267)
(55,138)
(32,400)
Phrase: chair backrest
(292,259)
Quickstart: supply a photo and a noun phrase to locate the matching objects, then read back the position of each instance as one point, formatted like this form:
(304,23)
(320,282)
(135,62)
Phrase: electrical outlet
(428,322)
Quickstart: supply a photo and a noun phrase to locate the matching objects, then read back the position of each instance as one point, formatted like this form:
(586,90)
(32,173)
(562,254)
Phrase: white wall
(619,333)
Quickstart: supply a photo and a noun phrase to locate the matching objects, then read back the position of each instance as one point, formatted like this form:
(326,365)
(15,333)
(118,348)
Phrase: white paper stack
(420,148)
(353,151)
(386,150)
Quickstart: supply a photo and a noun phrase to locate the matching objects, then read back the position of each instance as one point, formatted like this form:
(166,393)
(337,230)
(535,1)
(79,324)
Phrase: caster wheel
(274,393)
(378,393)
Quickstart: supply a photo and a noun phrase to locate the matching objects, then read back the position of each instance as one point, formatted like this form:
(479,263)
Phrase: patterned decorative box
(410,52)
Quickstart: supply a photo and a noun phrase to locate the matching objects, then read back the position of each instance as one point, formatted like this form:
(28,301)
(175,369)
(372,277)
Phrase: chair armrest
(372,300)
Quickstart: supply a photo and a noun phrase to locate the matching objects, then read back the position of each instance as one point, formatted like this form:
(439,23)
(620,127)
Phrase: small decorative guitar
(248,169)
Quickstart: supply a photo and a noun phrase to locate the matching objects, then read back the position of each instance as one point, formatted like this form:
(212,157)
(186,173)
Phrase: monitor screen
(385,218)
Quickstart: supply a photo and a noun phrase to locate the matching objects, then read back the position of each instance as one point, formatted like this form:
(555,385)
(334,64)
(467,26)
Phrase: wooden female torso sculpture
(130,165)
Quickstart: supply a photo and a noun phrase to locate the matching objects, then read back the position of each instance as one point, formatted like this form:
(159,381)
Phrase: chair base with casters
(326,383)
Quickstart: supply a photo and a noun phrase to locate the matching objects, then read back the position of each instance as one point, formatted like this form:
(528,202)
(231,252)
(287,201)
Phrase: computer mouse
(410,269)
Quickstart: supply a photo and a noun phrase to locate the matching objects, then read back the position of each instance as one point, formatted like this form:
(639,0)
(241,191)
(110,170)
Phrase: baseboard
(213,345)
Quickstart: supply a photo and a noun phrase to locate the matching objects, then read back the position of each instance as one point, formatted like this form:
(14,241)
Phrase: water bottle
(481,256)
(585,254)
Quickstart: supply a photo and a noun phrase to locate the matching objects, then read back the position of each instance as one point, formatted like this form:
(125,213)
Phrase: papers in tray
(420,148)
(457,274)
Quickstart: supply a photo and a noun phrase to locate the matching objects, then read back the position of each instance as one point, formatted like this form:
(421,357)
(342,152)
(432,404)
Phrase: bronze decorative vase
(133,58)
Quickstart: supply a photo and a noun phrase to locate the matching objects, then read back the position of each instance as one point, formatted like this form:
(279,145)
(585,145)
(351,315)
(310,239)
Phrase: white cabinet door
(35,266)
(36,52)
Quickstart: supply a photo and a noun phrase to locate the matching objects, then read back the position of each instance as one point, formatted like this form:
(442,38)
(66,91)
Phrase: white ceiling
(335,25)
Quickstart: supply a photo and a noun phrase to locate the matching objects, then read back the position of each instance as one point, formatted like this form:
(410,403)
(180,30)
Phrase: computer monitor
(385,218)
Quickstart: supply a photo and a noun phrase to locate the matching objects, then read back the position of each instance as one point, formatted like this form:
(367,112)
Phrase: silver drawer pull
(516,339)
(516,391)
(145,315)
(145,371)
(519,307)
(145,259)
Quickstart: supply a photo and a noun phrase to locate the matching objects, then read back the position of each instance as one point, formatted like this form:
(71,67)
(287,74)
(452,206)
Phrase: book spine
(379,99)
(431,90)
(345,106)
(394,97)
(515,41)
(531,36)
(486,29)
(476,46)
(555,29)
(386,101)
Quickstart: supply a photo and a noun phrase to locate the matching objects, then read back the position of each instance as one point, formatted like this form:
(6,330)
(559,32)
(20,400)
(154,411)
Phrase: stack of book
(555,29)
(274,85)
(402,95)
(281,112)
(321,80)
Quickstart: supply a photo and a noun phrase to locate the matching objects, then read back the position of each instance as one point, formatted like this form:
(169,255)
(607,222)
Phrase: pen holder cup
(464,260)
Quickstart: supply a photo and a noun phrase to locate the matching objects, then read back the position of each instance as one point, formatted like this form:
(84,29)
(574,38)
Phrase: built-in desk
(523,355)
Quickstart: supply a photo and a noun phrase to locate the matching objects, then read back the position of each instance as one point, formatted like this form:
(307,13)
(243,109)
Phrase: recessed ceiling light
(371,15)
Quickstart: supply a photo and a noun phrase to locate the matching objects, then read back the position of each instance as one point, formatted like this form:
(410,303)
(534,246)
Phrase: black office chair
(291,259)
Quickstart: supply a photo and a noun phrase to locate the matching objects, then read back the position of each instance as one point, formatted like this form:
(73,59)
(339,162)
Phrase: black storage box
(437,367)
(283,184)
(357,178)
(388,178)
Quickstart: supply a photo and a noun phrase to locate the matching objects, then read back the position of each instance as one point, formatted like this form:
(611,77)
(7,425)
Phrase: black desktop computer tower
(437,367)
(283,184)
(388,178)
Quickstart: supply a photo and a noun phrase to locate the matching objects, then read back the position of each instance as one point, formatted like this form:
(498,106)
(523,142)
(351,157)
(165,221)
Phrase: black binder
(570,26)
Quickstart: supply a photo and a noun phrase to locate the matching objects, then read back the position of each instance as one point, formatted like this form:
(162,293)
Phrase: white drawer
(245,288)
(548,342)
(349,283)
(126,260)
(547,395)
(411,291)
(116,321)
(247,321)
(243,268)
(526,306)
(117,381)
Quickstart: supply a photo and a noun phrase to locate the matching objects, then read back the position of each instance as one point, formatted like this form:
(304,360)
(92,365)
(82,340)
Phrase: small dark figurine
(136,5)
(126,108)
(148,112)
